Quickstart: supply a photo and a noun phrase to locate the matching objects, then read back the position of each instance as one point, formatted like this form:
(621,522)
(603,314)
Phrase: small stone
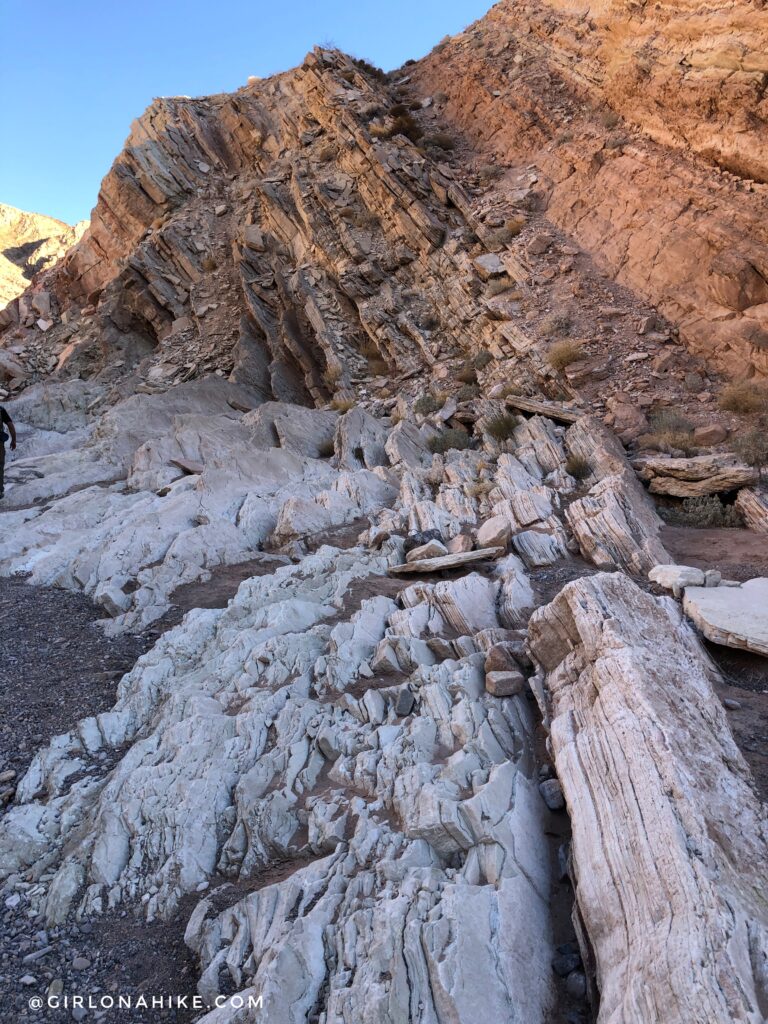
(712,578)
(564,963)
(576,984)
(459,544)
(79,1013)
(432,549)
(540,243)
(404,703)
(80,963)
(494,532)
(552,795)
(504,684)
(28,979)
(730,704)
(220,210)
(710,433)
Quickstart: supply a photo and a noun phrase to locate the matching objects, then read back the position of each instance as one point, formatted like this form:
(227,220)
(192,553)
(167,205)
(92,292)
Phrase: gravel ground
(56,666)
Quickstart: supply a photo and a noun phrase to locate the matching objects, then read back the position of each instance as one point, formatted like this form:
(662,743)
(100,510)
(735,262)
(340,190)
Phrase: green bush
(482,359)
(702,512)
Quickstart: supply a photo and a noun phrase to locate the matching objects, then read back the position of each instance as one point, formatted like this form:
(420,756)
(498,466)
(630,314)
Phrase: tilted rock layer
(298,337)
(648,126)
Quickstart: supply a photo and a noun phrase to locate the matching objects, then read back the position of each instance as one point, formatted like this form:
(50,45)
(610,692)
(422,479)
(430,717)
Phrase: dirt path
(57,666)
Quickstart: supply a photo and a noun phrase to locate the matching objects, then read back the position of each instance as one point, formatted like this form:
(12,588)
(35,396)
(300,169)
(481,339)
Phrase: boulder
(733,616)
(669,845)
(628,420)
(360,440)
(677,577)
(753,506)
(697,475)
(446,561)
(710,433)
(494,532)
(432,549)
(505,683)
(459,544)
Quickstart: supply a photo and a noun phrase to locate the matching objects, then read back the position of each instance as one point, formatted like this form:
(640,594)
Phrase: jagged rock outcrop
(670,844)
(30,243)
(304,336)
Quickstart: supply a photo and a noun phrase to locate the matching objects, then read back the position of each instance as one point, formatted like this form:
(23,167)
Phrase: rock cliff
(376,346)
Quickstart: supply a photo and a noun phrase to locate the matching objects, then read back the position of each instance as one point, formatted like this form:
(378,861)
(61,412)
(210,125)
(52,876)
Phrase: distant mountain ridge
(30,242)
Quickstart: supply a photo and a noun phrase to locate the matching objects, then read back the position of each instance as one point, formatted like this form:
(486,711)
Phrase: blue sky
(74,73)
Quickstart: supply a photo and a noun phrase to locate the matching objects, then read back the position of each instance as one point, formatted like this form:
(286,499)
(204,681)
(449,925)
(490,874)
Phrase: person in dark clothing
(5,421)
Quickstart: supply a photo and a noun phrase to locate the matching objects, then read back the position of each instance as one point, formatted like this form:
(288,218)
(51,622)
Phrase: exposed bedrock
(670,843)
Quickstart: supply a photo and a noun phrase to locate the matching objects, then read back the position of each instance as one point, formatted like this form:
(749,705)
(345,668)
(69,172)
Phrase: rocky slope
(647,128)
(309,334)
(29,243)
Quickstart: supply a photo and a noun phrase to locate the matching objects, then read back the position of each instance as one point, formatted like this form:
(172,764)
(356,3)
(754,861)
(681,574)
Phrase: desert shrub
(427,404)
(332,374)
(668,440)
(489,172)
(563,353)
(448,439)
(467,374)
(405,125)
(704,511)
(441,140)
(378,366)
(482,359)
(501,427)
(343,404)
(467,392)
(616,141)
(744,397)
(753,448)
(380,131)
(371,69)
(670,429)
(609,118)
(577,466)
(398,110)
(439,96)
(669,421)
(556,323)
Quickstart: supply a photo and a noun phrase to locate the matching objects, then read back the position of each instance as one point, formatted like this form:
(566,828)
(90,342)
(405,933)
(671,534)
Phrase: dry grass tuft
(563,353)
(501,427)
(744,397)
